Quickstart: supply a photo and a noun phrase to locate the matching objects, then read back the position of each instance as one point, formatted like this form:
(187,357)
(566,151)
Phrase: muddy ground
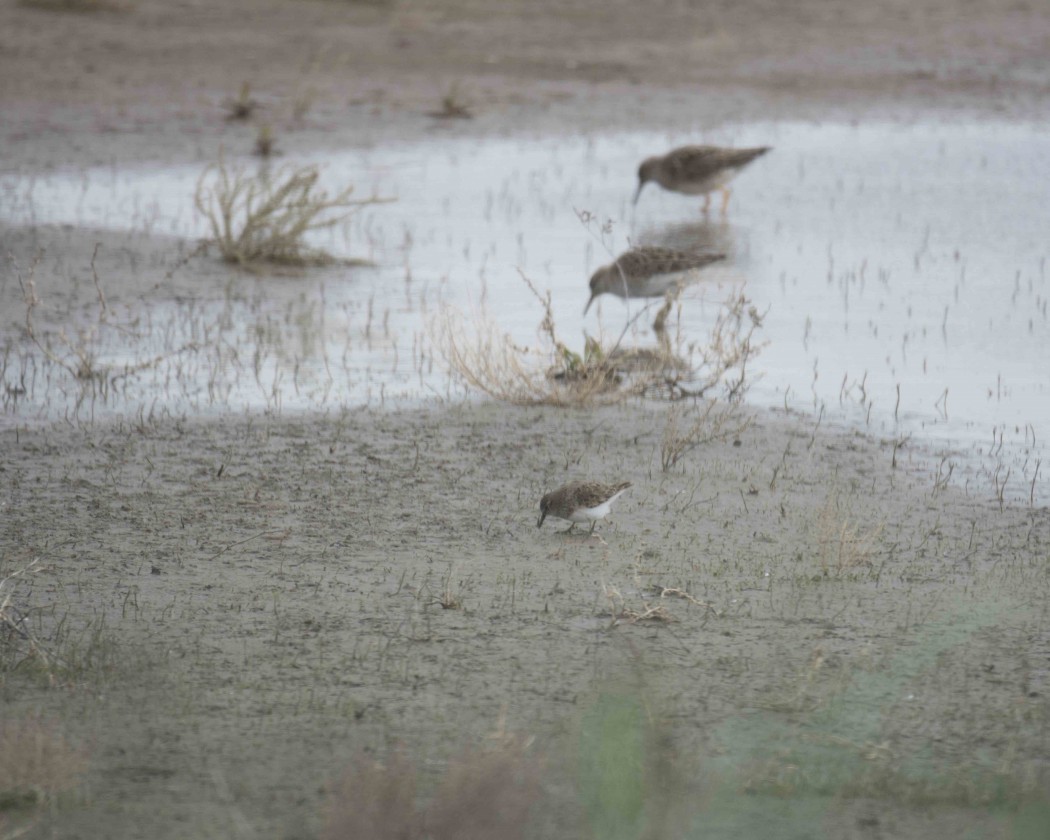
(234,608)
(145,80)
(796,631)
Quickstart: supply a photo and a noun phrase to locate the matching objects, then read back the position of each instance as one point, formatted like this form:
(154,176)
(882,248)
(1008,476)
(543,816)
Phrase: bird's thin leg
(593,523)
(660,324)
(725,199)
(707,203)
(665,343)
(569,530)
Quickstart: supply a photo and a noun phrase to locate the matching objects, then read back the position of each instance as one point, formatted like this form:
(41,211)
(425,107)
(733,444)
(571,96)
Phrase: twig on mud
(235,544)
(672,592)
(619,611)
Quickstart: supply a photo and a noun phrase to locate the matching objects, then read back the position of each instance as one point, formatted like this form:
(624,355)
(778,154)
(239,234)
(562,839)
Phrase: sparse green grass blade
(612,767)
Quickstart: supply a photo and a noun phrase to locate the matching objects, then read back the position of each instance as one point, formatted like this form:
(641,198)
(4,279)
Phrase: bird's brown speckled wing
(590,494)
(697,163)
(641,263)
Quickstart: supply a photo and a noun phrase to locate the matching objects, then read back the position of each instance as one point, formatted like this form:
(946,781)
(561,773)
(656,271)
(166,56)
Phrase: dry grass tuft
(17,642)
(486,792)
(488,360)
(447,599)
(265,218)
(376,801)
(72,652)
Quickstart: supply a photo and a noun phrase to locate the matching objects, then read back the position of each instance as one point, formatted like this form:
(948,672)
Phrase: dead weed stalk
(843,544)
(79,357)
(729,348)
(711,421)
(79,360)
(36,764)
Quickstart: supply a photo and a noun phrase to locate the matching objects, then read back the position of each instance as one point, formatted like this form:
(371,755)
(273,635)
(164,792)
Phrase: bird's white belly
(702,186)
(590,514)
(659,284)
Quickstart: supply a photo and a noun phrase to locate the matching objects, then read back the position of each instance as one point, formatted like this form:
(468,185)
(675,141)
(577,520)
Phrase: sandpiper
(697,170)
(647,272)
(580,501)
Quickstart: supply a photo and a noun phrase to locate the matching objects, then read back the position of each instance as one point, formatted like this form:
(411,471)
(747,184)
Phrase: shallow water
(902,269)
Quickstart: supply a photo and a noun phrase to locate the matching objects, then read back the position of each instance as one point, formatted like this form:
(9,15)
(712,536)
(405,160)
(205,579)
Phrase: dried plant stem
(81,360)
(14,622)
(712,420)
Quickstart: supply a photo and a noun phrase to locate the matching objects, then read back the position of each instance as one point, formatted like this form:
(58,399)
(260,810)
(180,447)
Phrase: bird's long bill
(638,192)
(590,300)
(543,515)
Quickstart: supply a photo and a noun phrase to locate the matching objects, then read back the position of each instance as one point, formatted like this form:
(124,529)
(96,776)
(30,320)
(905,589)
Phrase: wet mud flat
(229,613)
(212,614)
